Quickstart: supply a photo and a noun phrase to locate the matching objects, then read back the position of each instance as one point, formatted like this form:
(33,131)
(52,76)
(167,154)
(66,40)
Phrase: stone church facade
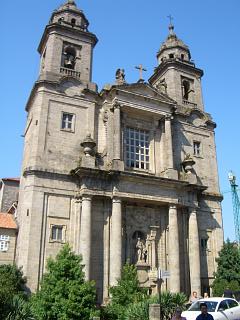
(128,173)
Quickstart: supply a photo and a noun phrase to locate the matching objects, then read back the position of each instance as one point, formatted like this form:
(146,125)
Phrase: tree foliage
(64,294)
(130,302)
(126,292)
(12,283)
(228,271)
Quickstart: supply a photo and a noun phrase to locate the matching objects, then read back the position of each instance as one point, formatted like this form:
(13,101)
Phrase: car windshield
(211,305)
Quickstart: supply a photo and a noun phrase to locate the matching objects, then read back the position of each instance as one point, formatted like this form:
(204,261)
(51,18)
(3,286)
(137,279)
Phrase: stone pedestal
(116,242)
(173,249)
(143,273)
(85,234)
(154,312)
(88,161)
(194,254)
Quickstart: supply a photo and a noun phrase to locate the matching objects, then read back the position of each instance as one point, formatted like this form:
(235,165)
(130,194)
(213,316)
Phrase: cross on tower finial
(170,18)
(141,69)
(171,26)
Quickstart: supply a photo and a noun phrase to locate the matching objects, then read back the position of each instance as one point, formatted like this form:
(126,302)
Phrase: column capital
(172,206)
(192,210)
(86,197)
(168,117)
(117,105)
(116,199)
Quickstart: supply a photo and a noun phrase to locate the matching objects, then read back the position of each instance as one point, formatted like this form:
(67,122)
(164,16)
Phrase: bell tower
(66,46)
(176,74)
(61,113)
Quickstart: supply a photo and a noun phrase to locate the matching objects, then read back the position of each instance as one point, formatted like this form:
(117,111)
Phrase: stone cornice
(177,64)
(59,27)
(56,83)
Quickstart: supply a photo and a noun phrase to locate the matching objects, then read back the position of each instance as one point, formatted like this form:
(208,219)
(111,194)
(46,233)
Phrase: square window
(68,121)
(196,148)
(57,233)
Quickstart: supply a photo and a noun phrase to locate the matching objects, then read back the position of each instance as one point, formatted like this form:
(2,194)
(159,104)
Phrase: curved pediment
(70,86)
(197,117)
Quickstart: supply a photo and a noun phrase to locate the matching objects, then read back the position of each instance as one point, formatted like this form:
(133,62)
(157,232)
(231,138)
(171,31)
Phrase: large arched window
(69,57)
(186,89)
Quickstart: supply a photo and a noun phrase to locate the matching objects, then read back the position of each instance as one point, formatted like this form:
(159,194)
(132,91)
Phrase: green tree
(228,272)
(126,292)
(64,294)
(12,283)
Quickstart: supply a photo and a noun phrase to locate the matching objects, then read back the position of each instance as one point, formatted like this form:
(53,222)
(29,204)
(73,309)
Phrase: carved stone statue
(162,86)
(141,251)
(120,76)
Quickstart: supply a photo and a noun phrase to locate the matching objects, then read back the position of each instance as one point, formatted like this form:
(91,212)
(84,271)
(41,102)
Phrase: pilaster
(174,262)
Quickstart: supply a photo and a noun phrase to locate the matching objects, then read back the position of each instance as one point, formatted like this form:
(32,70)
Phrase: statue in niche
(141,251)
(120,76)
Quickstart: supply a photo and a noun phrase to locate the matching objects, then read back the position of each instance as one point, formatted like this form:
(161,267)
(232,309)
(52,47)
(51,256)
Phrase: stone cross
(170,18)
(141,69)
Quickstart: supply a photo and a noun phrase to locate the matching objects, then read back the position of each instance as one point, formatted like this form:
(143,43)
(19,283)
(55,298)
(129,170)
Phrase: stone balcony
(70,72)
(188,103)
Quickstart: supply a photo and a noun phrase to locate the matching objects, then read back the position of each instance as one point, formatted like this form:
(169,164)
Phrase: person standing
(204,315)
(178,315)
(194,297)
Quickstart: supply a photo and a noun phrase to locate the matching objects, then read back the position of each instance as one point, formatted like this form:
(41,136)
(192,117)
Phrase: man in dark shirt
(204,314)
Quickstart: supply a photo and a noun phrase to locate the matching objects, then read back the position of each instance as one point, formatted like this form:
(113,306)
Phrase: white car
(219,308)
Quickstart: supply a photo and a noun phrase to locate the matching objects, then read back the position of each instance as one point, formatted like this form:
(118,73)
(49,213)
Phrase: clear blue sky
(129,32)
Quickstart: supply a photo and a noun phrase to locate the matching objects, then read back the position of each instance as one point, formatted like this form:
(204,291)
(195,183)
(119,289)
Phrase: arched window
(186,89)
(73,21)
(69,57)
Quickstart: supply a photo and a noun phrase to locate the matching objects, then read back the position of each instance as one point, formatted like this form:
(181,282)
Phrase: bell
(69,64)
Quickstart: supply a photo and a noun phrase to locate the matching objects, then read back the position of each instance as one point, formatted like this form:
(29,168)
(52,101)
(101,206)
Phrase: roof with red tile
(11,179)
(7,221)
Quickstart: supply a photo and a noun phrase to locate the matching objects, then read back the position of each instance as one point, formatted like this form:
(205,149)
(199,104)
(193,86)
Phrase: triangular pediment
(146,90)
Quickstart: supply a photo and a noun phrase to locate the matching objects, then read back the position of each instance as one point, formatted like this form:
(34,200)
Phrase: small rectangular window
(67,121)
(196,148)
(57,233)
(204,243)
(4,242)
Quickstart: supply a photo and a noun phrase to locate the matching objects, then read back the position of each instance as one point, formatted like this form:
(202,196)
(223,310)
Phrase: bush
(64,294)
(20,309)
(12,283)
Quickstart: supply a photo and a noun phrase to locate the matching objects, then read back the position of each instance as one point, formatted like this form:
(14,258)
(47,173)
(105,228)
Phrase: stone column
(116,242)
(168,142)
(194,254)
(173,250)
(117,132)
(85,234)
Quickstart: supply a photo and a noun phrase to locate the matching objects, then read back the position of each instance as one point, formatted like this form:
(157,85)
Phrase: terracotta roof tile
(7,221)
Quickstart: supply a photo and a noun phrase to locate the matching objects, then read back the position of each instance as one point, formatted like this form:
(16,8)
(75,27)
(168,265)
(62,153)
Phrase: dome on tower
(69,14)
(173,48)
(70,4)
